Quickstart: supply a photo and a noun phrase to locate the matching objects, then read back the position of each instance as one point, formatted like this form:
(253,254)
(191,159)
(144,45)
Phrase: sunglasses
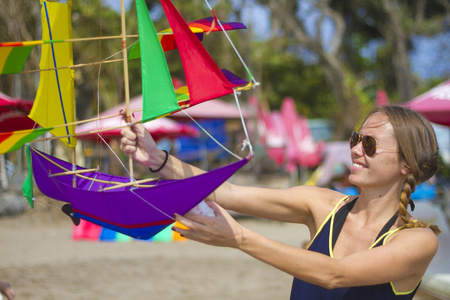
(369,143)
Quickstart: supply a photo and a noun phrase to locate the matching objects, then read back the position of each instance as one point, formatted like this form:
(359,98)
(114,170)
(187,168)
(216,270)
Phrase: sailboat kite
(138,208)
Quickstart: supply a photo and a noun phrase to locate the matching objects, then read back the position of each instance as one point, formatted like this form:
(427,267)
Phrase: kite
(137,208)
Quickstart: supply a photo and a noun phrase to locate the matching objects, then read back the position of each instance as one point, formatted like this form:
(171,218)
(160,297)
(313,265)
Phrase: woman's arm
(405,256)
(297,204)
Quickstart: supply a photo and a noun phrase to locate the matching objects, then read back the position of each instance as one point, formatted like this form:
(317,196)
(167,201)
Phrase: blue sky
(116,3)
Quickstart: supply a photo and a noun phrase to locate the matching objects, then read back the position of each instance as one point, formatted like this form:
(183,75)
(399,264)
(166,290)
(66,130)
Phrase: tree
(293,23)
(352,26)
(18,23)
(392,25)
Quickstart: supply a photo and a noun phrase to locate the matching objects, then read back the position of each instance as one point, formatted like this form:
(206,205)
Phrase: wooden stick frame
(78,173)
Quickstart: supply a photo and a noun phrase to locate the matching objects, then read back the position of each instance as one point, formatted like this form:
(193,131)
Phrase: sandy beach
(40,259)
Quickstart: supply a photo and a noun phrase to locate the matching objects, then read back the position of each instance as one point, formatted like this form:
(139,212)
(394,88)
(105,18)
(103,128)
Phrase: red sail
(204,79)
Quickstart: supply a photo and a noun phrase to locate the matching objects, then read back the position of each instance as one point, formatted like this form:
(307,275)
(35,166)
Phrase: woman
(365,247)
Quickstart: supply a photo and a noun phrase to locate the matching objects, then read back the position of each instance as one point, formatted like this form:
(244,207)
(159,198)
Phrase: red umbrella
(158,128)
(434,104)
(14,114)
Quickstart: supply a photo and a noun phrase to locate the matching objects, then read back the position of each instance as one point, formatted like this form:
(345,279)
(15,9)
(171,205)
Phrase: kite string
(98,112)
(114,154)
(209,135)
(247,138)
(232,44)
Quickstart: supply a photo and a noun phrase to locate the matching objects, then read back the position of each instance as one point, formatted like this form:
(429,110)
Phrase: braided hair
(418,149)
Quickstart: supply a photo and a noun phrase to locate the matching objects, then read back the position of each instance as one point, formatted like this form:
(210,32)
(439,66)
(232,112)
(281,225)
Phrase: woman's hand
(221,230)
(137,141)
(7,290)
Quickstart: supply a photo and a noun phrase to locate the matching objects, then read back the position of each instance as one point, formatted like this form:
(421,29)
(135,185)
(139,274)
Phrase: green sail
(27,187)
(157,89)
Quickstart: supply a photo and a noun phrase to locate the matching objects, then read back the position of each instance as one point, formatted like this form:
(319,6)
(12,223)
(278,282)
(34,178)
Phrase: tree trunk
(284,12)
(398,38)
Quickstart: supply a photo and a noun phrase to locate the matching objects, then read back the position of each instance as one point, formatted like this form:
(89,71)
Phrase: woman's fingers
(221,230)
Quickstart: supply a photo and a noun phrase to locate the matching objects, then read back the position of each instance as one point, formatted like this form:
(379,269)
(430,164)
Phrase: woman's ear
(405,169)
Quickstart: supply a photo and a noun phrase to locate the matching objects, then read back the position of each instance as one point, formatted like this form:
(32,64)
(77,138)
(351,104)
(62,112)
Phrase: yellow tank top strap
(331,214)
(385,236)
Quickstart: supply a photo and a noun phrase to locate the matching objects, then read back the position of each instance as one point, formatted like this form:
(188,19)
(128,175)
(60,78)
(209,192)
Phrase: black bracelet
(163,164)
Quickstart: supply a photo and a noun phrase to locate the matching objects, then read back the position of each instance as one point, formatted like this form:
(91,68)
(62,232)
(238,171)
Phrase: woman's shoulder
(320,200)
(316,192)
(423,239)
(424,234)
(325,195)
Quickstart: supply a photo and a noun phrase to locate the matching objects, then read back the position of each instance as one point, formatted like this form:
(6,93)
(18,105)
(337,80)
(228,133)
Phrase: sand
(41,261)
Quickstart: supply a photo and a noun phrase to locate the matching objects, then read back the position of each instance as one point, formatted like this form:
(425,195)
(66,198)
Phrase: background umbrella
(434,104)
(14,114)
(159,128)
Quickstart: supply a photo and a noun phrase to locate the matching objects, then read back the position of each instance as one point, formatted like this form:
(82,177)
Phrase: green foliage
(368,25)
(285,75)
(278,63)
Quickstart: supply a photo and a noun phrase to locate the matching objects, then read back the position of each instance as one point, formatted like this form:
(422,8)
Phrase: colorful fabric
(55,102)
(167,39)
(182,93)
(204,79)
(13,55)
(11,141)
(93,232)
(138,212)
(198,27)
(12,59)
(27,186)
(157,88)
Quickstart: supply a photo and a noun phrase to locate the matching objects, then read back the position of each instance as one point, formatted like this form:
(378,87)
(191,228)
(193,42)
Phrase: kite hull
(140,212)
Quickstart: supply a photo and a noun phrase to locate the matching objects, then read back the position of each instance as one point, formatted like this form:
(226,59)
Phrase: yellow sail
(55,102)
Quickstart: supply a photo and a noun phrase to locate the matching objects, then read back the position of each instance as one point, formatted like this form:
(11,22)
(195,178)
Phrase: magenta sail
(140,212)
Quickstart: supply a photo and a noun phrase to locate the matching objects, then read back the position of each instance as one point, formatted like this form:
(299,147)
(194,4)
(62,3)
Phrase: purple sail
(140,212)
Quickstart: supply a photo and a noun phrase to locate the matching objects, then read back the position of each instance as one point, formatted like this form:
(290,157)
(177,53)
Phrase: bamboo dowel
(134,183)
(74,66)
(78,175)
(87,120)
(41,42)
(73,172)
(78,134)
(125,75)
(97,38)
(117,184)
(74,167)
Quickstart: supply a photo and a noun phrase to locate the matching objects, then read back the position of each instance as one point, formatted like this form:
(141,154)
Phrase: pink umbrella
(159,128)
(213,109)
(276,137)
(382,98)
(434,104)
(271,131)
(301,147)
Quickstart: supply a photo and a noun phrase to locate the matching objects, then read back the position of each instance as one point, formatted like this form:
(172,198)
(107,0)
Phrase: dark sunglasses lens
(354,139)
(369,145)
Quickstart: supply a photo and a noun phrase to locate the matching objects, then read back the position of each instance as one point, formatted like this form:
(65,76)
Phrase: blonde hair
(418,149)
